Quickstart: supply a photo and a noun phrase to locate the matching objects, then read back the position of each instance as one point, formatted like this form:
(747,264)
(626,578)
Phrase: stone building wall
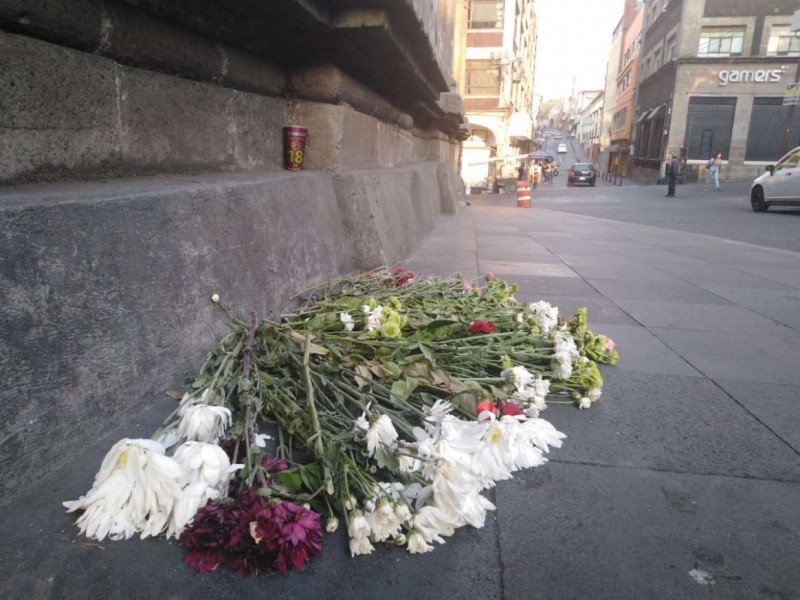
(141,171)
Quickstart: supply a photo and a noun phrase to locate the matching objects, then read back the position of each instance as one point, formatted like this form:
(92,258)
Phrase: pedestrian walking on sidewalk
(714,165)
(672,174)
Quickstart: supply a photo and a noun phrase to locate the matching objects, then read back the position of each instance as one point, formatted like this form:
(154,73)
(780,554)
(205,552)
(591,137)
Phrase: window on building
(486,14)
(709,122)
(620,119)
(765,135)
(783,42)
(483,77)
(670,53)
(657,60)
(721,41)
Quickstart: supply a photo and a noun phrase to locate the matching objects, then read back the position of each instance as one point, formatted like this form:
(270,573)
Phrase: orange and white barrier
(523,194)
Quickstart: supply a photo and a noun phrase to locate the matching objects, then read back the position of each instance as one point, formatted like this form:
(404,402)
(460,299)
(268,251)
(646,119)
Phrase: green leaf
(291,479)
(440,330)
(403,388)
(309,475)
(426,351)
(386,459)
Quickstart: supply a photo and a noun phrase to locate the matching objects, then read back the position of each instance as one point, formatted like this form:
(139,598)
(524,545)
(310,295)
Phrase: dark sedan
(582,173)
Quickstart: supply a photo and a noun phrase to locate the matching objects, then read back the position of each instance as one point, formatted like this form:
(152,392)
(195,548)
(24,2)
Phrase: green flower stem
(319,449)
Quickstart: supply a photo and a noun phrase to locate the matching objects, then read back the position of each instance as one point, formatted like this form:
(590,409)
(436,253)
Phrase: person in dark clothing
(521,171)
(672,174)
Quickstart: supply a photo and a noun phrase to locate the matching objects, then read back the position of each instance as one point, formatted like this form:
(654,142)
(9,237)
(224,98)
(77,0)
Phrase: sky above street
(574,40)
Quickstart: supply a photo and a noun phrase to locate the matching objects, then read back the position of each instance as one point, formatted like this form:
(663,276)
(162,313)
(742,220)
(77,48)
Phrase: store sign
(750,76)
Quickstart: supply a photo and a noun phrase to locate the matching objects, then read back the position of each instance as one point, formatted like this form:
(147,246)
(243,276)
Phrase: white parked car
(562,148)
(779,186)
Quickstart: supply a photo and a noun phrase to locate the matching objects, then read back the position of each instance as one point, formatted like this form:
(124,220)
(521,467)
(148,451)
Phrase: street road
(726,214)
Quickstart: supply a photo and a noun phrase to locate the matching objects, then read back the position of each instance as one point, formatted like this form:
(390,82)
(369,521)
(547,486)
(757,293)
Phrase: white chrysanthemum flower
(402,511)
(361,422)
(584,402)
(380,433)
(546,314)
(358,527)
(261,439)
(417,543)
(438,411)
(360,546)
(373,317)
(494,459)
(134,490)
(192,498)
(392,490)
(541,434)
(520,318)
(564,353)
(382,525)
(520,376)
(594,394)
(347,320)
(534,407)
(532,398)
(207,463)
(433,523)
(408,464)
(332,524)
(203,423)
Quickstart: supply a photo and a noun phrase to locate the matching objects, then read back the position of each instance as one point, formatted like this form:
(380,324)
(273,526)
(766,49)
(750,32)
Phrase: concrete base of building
(106,286)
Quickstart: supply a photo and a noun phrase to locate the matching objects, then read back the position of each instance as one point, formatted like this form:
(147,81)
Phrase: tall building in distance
(713,74)
(624,84)
(497,85)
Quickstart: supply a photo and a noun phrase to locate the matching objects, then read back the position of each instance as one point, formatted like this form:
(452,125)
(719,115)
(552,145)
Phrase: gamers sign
(727,76)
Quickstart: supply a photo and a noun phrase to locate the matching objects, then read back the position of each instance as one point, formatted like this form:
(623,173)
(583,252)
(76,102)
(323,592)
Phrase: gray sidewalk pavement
(682,482)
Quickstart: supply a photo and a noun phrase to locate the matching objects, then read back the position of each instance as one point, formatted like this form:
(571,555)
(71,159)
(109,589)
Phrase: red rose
(484,406)
(510,409)
(402,276)
(481,327)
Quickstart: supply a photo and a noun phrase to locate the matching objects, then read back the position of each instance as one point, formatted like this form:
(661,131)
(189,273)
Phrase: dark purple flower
(292,532)
(220,534)
(273,464)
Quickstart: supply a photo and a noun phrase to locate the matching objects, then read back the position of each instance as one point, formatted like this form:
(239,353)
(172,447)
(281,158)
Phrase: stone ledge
(105,285)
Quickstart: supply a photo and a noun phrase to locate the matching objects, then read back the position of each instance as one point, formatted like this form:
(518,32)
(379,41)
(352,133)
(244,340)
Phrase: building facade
(590,122)
(713,77)
(610,95)
(497,85)
(625,86)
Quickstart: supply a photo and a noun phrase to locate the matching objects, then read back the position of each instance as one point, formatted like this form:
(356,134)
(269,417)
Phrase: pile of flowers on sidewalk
(393,402)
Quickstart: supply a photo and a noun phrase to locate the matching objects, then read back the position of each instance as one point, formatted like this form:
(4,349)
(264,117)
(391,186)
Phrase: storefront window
(709,122)
(486,14)
(483,78)
(721,41)
(765,135)
(783,42)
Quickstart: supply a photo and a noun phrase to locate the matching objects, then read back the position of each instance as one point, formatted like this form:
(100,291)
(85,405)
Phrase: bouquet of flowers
(392,401)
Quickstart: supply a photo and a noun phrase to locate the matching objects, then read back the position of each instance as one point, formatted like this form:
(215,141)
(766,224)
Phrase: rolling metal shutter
(709,122)
(765,136)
